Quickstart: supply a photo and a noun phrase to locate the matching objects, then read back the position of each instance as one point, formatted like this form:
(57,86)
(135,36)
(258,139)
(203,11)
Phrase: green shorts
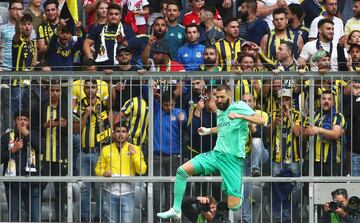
(229,166)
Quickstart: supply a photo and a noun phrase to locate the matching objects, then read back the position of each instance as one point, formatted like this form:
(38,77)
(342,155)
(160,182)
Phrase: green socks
(179,188)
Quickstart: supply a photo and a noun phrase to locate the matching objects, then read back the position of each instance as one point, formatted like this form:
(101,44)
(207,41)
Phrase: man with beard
(54,138)
(210,60)
(328,130)
(24,51)
(331,8)
(125,89)
(105,38)
(169,125)
(95,121)
(354,22)
(191,54)
(158,31)
(228,155)
(354,52)
(296,17)
(229,47)
(251,28)
(176,32)
(270,42)
(323,42)
(138,43)
(193,96)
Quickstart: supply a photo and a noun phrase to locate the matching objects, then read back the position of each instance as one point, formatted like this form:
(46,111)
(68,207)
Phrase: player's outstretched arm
(207,131)
(255,118)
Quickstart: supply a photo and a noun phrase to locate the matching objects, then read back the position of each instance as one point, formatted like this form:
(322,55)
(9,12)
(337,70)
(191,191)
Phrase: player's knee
(182,173)
(234,204)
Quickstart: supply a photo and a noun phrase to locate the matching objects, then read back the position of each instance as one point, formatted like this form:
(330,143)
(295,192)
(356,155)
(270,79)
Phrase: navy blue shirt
(254,31)
(312,11)
(138,44)
(61,57)
(94,34)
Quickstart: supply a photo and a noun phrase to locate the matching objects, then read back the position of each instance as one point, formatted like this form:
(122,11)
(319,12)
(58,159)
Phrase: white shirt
(310,49)
(351,25)
(268,3)
(118,188)
(338,28)
(137,5)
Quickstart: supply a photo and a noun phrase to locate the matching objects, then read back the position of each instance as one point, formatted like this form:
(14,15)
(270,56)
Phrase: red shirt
(174,67)
(193,17)
(91,15)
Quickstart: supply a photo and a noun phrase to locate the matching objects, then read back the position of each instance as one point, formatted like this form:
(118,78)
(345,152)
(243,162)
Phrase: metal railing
(148,80)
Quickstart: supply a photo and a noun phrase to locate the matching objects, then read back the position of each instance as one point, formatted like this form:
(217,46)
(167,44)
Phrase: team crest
(198,54)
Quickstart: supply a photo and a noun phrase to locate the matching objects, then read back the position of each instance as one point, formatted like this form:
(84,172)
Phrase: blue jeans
(258,153)
(118,208)
(29,193)
(293,204)
(87,162)
(18,95)
(355,164)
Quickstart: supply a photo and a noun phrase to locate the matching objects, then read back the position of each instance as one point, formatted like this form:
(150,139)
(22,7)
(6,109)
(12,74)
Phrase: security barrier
(284,166)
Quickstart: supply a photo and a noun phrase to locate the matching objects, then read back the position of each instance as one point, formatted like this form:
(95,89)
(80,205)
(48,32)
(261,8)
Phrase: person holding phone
(54,136)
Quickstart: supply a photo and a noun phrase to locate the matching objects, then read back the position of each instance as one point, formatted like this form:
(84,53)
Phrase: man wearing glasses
(7,32)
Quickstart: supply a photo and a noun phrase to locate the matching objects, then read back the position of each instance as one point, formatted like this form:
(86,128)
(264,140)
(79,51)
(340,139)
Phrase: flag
(70,11)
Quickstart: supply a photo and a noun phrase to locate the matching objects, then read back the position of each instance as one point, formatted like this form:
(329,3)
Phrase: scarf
(103,55)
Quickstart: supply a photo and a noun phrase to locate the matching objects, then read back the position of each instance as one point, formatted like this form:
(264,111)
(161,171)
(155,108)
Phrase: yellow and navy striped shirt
(137,119)
(285,145)
(97,130)
(326,150)
(228,52)
(244,86)
(46,31)
(23,53)
(55,136)
(336,88)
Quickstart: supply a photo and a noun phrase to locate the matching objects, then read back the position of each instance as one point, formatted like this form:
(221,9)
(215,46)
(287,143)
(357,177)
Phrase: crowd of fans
(110,120)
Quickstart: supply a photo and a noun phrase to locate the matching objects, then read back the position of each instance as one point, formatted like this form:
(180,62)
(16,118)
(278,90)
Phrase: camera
(203,97)
(204,207)
(333,205)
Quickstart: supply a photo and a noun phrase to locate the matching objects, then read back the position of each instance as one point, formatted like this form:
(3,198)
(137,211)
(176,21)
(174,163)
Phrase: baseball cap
(246,43)
(121,48)
(285,92)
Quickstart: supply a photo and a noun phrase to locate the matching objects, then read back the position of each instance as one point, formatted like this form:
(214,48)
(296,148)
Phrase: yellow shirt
(121,163)
(79,93)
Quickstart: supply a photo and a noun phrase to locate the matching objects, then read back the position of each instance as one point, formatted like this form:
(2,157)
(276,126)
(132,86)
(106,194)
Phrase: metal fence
(65,179)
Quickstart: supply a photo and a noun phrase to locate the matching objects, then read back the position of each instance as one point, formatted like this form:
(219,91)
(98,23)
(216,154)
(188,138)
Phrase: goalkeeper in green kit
(228,155)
